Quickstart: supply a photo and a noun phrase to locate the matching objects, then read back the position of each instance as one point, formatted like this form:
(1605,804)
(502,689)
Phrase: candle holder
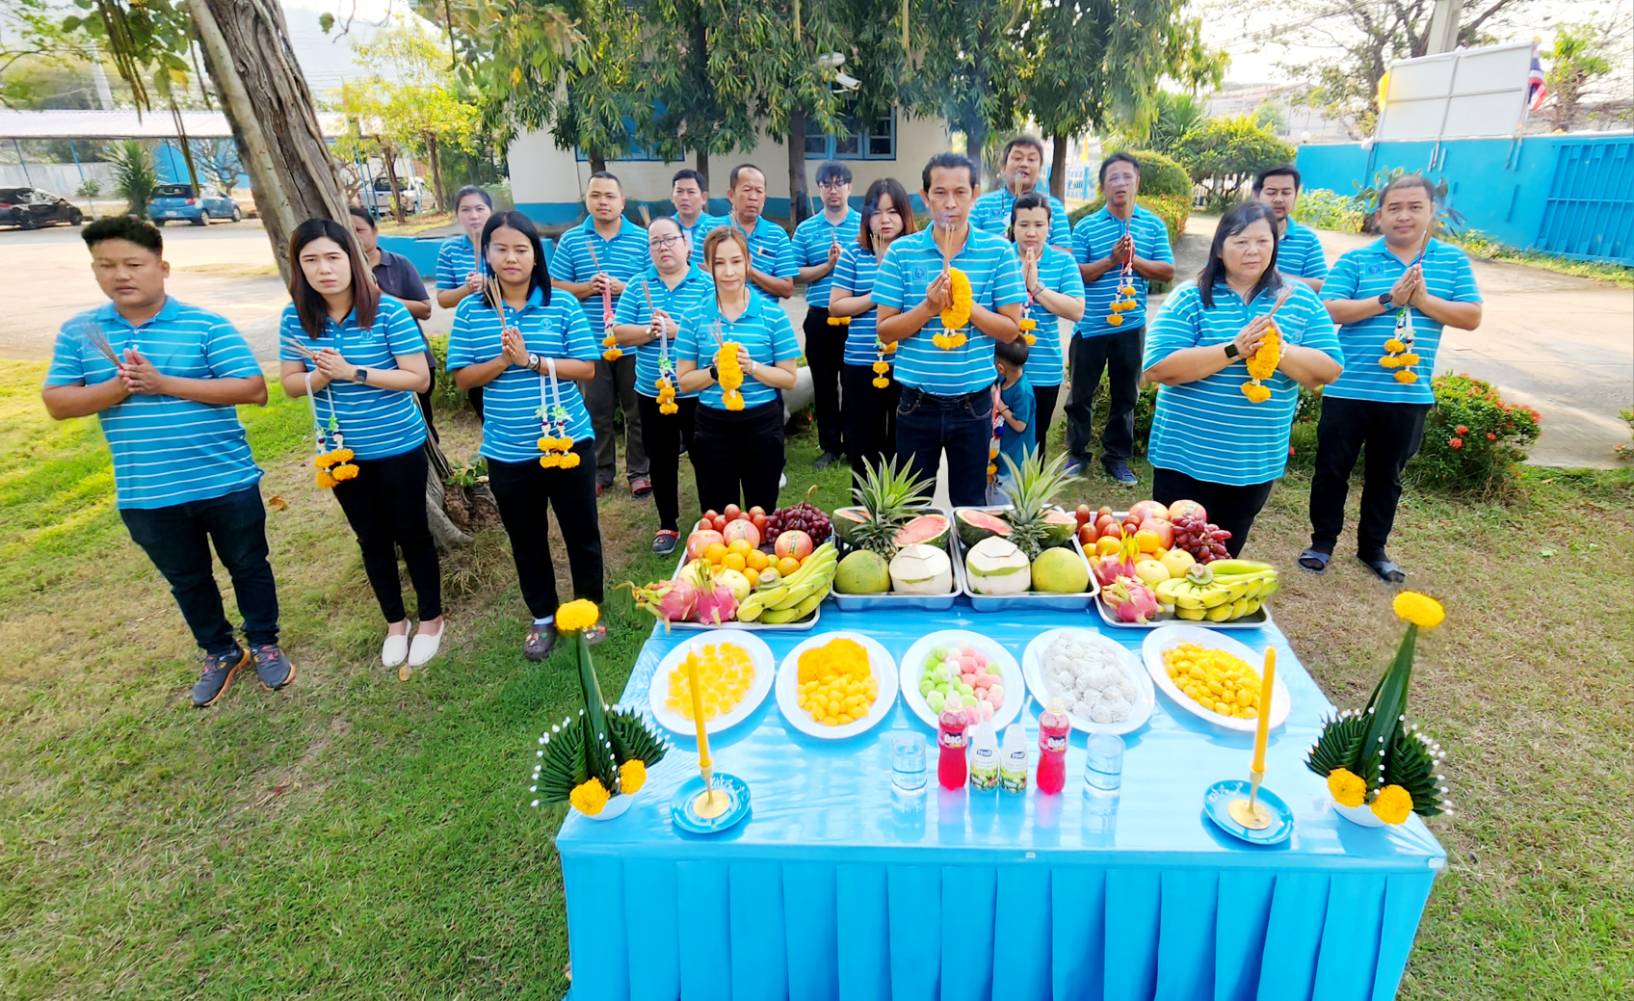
(1222,797)
(710,804)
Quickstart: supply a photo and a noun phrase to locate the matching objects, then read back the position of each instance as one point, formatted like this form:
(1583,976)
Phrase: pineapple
(1033,485)
(890,495)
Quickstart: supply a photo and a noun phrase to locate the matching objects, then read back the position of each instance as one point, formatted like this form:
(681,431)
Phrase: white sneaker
(395,650)
(425,647)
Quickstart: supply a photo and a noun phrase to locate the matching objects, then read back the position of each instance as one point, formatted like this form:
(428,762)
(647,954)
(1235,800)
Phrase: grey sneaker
(273,668)
(539,642)
(217,677)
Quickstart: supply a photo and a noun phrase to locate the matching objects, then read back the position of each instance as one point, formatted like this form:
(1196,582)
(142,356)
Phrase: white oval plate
(1032,665)
(914,660)
(1164,637)
(765,671)
(788,687)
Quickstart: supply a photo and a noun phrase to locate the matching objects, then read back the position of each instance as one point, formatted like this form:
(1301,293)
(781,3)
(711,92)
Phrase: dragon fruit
(716,603)
(1131,600)
(1109,568)
(666,600)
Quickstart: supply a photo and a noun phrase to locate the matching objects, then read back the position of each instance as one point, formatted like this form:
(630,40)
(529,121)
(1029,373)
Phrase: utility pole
(1444,26)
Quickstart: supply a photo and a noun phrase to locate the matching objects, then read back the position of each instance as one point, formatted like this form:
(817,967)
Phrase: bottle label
(1014,773)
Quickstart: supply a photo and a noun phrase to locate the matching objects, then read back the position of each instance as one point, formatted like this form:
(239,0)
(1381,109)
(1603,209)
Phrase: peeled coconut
(863,571)
(921,569)
(996,566)
(1060,571)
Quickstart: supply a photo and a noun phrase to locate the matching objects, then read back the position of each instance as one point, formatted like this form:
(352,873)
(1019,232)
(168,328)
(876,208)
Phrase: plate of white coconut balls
(1097,682)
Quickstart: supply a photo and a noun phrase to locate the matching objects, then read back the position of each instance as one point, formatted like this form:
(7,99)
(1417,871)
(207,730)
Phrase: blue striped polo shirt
(1366,272)
(771,251)
(686,297)
(166,450)
(456,258)
(764,329)
(854,272)
(1299,252)
(375,423)
(1092,239)
(1208,429)
(1058,272)
(812,239)
(623,257)
(696,232)
(911,263)
(992,213)
(511,423)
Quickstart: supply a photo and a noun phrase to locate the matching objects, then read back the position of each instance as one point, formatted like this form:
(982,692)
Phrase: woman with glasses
(648,319)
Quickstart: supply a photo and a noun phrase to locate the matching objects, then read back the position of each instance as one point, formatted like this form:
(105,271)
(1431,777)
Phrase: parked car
(180,201)
(27,208)
(415,194)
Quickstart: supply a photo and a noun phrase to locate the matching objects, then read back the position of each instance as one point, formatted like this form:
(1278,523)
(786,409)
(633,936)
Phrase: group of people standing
(925,341)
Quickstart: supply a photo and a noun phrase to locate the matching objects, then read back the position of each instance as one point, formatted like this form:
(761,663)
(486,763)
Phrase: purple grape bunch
(802,517)
(1203,539)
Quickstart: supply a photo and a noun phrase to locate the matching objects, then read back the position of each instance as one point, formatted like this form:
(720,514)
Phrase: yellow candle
(1263,729)
(698,712)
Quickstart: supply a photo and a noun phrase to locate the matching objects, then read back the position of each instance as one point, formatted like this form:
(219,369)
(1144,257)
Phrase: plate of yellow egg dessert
(1213,677)
(836,685)
(735,670)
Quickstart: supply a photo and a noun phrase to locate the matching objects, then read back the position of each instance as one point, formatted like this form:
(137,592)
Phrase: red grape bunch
(1203,539)
(805,517)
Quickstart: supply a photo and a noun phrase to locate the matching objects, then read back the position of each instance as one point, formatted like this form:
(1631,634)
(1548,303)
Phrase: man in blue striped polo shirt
(689,193)
(1023,166)
(772,263)
(1299,252)
(1109,335)
(183,475)
(1378,294)
(947,394)
(596,257)
(817,245)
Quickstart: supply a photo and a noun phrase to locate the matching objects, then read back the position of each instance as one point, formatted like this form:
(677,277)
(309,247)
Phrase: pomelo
(863,571)
(1060,571)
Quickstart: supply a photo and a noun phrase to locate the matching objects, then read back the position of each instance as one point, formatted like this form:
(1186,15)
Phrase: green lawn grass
(357,837)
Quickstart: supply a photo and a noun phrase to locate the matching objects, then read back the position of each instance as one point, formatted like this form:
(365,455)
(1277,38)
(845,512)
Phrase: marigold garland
(1262,364)
(1028,325)
(839,321)
(1398,350)
(957,314)
(882,368)
(334,465)
(666,396)
(731,372)
(589,797)
(577,616)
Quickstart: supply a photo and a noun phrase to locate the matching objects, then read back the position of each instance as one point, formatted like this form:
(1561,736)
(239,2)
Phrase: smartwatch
(1384,300)
(1231,349)
(361,376)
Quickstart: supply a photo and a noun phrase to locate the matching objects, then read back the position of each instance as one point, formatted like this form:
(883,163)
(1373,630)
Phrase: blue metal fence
(1589,213)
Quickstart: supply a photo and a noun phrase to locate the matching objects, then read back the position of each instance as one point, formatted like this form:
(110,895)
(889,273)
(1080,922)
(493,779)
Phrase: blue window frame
(874,140)
(633,150)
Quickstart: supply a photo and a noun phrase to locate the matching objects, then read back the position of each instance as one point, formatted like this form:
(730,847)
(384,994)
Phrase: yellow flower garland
(577,616)
(1393,805)
(334,466)
(1421,610)
(666,396)
(726,362)
(1346,787)
(589,797)
(1262,364)
(1028,325)
(957,314)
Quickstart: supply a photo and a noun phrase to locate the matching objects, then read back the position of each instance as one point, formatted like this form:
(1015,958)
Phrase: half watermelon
(927,529)
(976,525)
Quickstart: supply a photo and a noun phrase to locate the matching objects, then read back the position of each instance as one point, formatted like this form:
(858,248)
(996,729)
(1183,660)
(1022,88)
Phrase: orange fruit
(787,565)
(738,546)
(1105,546)
(757,560)
(715,552)
(1148,541)
(735,561)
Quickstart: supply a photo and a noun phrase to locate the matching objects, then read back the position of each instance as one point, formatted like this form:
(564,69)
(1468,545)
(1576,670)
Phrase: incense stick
(300,349)
(97,339)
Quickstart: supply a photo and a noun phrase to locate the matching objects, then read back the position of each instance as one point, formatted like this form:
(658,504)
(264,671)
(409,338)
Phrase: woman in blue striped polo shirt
(737,447)
(1055,291)
(460,269)
(531,350)
(359,357)
(1211,441)
(870,409)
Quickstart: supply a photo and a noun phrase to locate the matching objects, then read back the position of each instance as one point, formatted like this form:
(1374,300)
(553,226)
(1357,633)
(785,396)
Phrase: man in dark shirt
(398,278)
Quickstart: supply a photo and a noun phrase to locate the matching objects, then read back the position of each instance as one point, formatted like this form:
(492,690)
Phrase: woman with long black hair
(869,395)
(529,350)
(1224,413)
(737,445)
(359,358)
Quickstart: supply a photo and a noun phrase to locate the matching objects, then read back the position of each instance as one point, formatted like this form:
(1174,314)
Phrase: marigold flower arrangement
(839,321)
(602,752)
(731,372)
(608,341)
(957,313)
(882,368)
(1262,364)
(1126,291)
(554,441)
(1375,757)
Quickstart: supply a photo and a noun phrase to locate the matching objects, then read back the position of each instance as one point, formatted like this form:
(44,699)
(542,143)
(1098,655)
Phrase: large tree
(966,61)
(1580,56)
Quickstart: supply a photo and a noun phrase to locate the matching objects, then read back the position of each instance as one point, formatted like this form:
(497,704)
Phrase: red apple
(1104,511)
(1141,510)
(732,512)
(1180,508)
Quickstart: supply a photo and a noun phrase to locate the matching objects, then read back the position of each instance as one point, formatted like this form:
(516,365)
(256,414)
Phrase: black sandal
(1314,560)
(1386,570)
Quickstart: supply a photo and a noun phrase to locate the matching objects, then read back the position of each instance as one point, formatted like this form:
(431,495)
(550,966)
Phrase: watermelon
(927,529)
(845,519)
(976,525)
(1062,526)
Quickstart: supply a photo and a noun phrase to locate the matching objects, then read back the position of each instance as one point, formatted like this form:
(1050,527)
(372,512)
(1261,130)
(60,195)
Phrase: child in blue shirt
(1014,412)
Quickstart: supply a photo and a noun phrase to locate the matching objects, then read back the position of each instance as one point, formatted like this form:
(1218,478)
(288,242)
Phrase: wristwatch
(533,361)
(1384,299)
(714,373)
(361,376)
(1231,349)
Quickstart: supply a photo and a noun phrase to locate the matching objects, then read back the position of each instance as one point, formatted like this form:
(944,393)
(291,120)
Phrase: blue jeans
(927,424)
(178,538)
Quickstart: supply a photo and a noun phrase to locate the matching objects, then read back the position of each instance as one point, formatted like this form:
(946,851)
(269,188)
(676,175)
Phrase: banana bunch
(1222,591)
(795,596)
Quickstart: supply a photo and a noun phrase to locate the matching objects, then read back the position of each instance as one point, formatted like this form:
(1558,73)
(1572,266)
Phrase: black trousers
(663,436)
(737,456)
(1232,508)
(825,355)
(425,397)
(525,491)
(614,386)
(1390,434)
(1119,355)
(927,425)
(870,417)
(386,507)
(178,538)
(475,396)
(1044,397)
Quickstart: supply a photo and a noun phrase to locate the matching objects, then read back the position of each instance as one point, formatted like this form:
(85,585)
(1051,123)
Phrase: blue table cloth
(838,888)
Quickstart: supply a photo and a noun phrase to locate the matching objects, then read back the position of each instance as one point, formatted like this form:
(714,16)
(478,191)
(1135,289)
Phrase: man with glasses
(817,245)
(1023,167)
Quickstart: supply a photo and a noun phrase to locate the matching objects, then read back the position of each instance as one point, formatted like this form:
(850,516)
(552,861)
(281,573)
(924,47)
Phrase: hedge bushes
(1472,438)
(1323,209)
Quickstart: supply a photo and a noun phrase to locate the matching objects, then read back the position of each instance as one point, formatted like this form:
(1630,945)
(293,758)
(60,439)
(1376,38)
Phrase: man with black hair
(1023,161)
(1299,252)
(817,245)
(1120,250)
(689,193)
(184,479)
(772,261)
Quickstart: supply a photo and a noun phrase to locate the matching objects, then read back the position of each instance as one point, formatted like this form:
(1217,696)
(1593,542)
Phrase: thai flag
(1536,88)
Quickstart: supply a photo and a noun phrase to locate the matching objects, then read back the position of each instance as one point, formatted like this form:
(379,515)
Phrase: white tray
(801,626)
(788,687)
(1159,640)
(932,602)
(765,672)
(1032,666)
(1015,685)
(1254,621)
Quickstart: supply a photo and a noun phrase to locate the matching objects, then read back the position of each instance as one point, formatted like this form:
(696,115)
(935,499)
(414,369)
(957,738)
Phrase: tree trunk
(436,171)
(598,163)
(799,197)
(265,97)
(1058,165)
(976,142)
(700,163)
(388,154)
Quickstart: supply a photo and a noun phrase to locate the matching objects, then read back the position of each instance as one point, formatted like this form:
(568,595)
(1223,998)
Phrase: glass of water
(1103,772)
(908,762)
